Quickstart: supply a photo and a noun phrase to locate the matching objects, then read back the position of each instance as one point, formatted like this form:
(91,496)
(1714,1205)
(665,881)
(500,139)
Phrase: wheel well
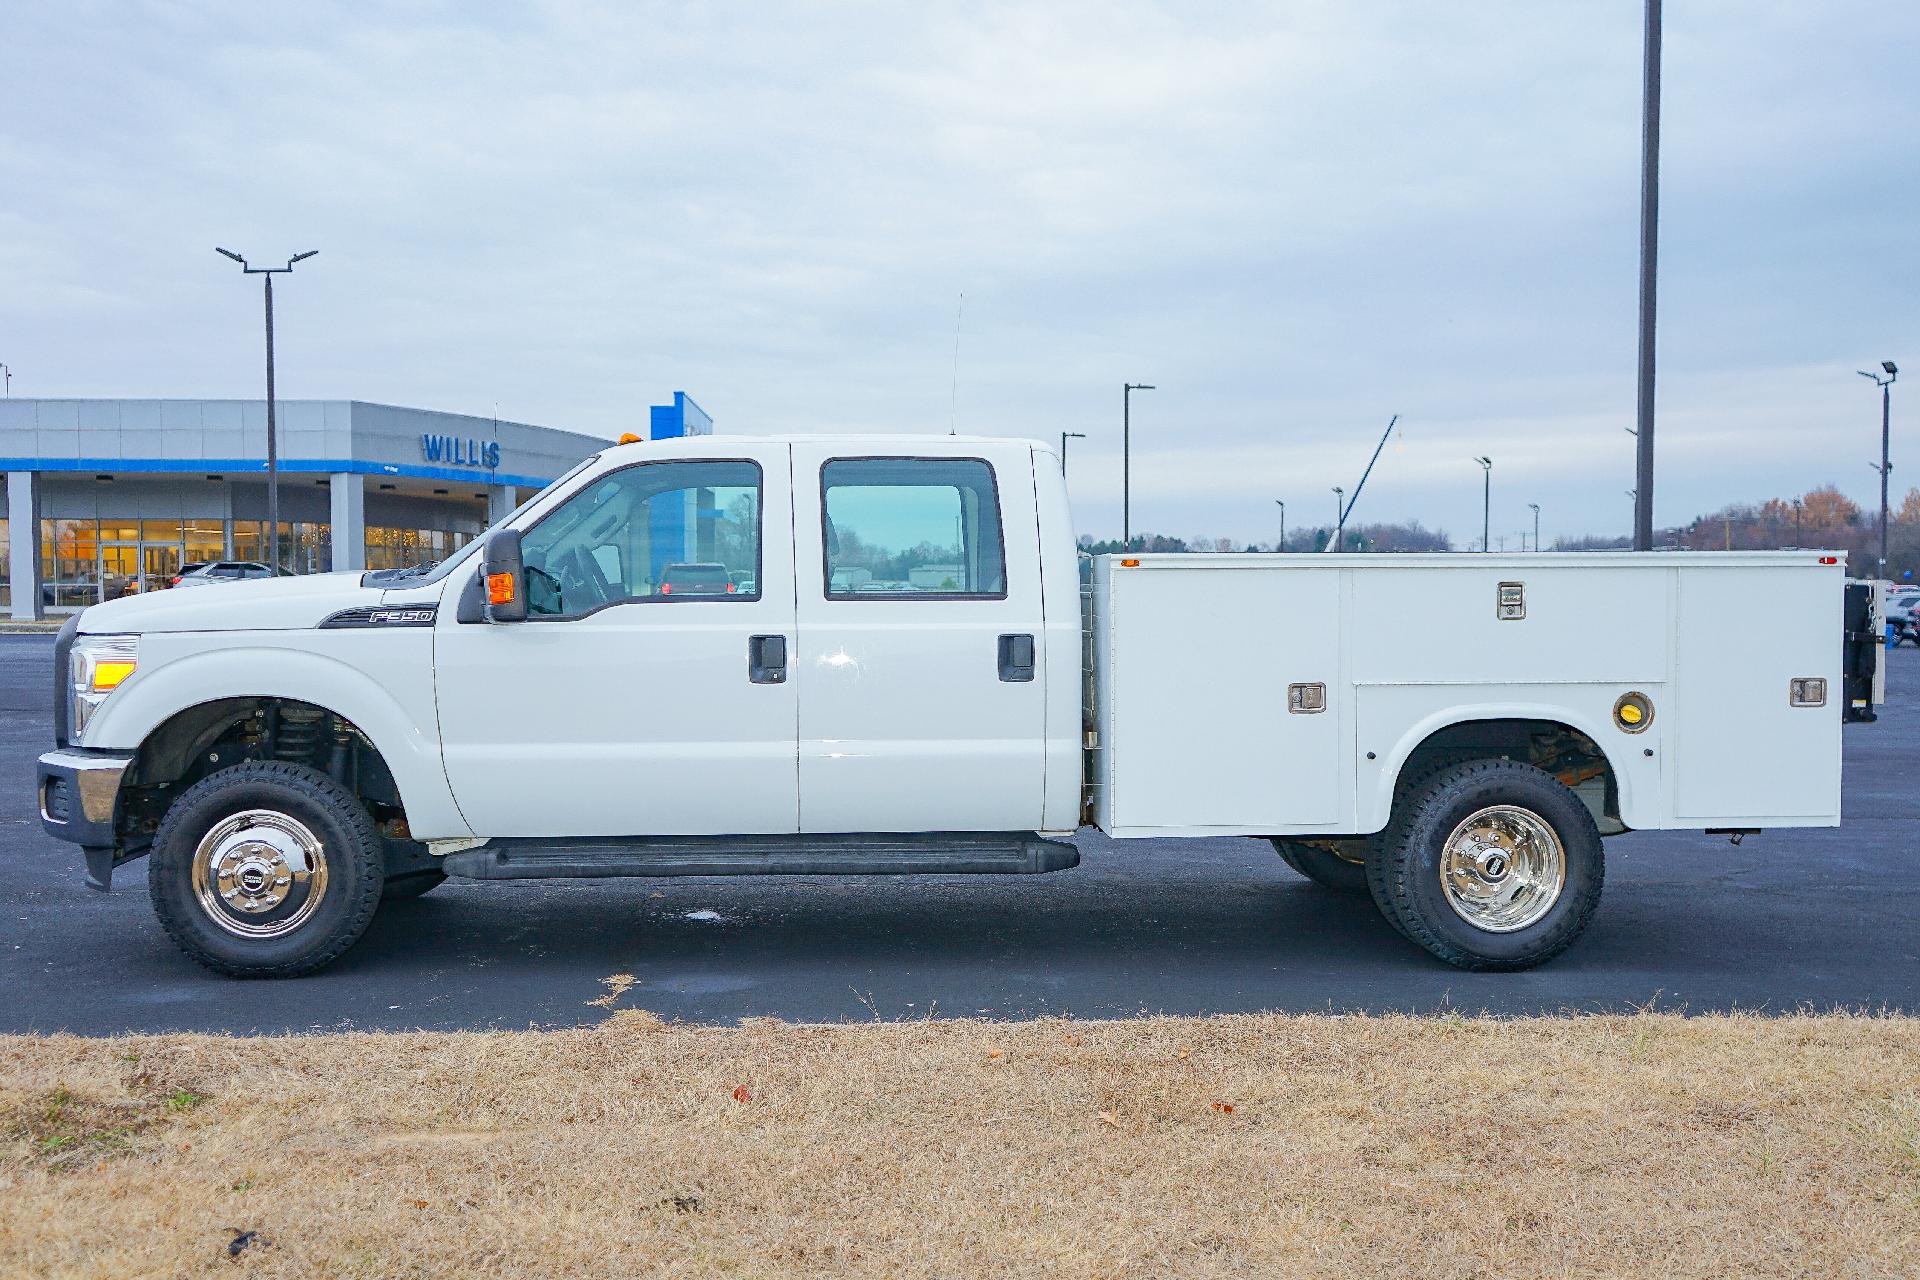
(214,735)
(1572,757)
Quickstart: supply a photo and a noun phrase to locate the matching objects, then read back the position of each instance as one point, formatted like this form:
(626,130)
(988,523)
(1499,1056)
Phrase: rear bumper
(78,794)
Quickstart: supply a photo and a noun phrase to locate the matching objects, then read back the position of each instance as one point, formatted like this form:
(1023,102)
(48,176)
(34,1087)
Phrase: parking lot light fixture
(1283,522)
(1535,508)
(273,439)
(1886,465)
(1064,437)
(1486,503)
(1339,516)
(1126,457)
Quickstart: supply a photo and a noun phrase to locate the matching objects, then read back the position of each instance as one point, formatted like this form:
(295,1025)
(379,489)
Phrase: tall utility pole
(1536,524)
(273,438)
(1064,437)
(1126,458)
(1649,262)
(1486,503)
(1283,523)
(1339,517)
(1886,464)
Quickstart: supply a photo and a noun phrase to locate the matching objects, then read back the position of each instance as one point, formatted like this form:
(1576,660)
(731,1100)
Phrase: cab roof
(894,442)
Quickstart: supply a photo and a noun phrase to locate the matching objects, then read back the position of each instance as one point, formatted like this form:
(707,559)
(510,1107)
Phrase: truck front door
(647,693)
(921,669)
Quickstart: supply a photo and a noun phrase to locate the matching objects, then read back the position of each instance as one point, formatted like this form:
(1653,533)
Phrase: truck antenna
(953,404)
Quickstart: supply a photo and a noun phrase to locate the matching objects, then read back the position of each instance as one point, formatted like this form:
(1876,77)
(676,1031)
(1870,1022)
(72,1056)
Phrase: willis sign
(460,451)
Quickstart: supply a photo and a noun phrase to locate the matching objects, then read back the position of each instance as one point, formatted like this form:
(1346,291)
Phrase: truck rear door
(921,665)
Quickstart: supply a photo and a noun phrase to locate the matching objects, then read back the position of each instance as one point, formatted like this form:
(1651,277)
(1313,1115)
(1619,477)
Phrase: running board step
(934,853)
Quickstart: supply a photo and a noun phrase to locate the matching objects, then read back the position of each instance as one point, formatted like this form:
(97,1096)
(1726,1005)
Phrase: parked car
(695,580)
(1903,618)
(223,571)
(194,566)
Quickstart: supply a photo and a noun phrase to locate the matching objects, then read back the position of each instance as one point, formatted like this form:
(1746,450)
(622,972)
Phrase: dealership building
(108,497)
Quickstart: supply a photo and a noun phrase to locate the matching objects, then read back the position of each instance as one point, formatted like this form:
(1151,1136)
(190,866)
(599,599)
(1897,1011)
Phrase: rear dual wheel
(1340,865)
(1490,864)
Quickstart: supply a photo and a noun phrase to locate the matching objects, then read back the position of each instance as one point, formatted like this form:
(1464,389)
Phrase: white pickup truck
(843,655)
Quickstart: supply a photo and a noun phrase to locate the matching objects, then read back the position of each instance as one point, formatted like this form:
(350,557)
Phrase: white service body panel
(1194,656)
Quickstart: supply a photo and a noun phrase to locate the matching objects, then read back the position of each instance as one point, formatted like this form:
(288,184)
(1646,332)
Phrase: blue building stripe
(258,466)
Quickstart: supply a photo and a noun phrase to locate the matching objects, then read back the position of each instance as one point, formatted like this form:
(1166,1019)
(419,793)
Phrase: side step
(931,853)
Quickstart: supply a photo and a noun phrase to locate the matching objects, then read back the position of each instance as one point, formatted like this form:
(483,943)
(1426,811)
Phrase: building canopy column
(23,543)
(349,521)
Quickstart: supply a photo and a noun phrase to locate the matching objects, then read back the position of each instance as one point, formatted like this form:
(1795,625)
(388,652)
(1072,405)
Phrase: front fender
(380,680)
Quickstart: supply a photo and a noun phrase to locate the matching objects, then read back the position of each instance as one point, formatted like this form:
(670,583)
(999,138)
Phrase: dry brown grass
(1646,1145)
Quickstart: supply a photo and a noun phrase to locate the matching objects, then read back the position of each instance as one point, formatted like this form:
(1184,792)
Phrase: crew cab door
(921,665)
(647,693)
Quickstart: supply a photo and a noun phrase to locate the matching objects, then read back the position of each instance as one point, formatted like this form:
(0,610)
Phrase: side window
(657,531)
(912,527)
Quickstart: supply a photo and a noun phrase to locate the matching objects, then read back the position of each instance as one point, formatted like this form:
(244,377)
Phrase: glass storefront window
(204,542)
(249,540)
(389,548)
(304,548)
(69,563)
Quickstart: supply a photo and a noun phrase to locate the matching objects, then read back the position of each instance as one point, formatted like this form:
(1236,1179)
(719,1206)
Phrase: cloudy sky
(1294,218)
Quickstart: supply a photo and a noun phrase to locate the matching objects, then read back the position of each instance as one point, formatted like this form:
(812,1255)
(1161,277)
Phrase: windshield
(419,575)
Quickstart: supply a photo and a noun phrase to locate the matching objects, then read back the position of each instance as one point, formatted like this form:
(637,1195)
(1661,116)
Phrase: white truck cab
(842,655)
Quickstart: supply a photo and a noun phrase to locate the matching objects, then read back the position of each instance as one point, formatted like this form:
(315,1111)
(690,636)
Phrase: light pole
(1649,273)
(1886,418)
(1064,437)
(1486,503)
(7,369)
(273,440)
(1339,516)
(1536,524)
(1796,522)
(1283,522)
(1126,458)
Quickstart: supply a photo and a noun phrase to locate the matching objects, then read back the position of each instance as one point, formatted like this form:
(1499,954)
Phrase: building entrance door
(119,569)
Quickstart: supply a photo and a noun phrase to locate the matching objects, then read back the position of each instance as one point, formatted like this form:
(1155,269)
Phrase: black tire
(412,884)
(347,862)
(1323,866)
(1405,871)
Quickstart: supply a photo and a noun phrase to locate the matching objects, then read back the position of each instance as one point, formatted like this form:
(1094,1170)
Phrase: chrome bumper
(78,792)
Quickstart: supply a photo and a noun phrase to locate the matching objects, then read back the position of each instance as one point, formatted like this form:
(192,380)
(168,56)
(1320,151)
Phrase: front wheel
(1489,864)
(266,870)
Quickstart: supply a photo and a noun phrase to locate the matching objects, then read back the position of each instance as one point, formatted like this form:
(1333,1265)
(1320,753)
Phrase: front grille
(56,800)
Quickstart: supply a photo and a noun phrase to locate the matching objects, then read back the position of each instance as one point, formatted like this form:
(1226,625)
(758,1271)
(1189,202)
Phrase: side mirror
(505,577)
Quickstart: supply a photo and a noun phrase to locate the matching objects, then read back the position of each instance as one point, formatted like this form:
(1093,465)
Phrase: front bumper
(79,791)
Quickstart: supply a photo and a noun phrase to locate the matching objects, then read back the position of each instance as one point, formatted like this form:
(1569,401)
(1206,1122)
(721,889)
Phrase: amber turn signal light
(499,588)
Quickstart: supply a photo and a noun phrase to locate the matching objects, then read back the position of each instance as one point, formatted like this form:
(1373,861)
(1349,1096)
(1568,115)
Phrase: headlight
(98,666)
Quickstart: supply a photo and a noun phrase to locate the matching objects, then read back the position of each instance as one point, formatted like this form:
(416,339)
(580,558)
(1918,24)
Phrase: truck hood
(270,604)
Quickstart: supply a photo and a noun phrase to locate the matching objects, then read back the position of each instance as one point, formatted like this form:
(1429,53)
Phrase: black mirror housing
(504,578)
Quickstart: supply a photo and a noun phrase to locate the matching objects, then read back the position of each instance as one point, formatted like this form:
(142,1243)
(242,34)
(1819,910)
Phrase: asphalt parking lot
(1818,919)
